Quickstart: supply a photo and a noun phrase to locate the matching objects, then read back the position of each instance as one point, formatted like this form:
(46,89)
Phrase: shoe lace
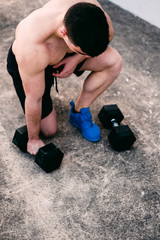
(88,118)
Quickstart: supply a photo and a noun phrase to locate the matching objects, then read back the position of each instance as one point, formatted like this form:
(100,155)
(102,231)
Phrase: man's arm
(33,80)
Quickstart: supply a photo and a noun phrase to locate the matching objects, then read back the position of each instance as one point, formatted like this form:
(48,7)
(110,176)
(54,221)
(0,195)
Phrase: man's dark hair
(87,28)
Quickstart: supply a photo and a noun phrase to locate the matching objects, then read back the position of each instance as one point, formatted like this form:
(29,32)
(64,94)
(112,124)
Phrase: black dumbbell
(48,157)
(121,137)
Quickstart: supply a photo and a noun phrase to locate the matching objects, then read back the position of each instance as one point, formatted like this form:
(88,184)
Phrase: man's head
(87,27)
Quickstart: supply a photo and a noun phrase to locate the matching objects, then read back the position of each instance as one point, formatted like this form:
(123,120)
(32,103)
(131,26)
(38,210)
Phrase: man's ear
(63,31)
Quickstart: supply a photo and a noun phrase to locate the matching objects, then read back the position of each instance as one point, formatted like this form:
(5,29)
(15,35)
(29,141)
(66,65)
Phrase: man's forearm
(33,110)
(80,57)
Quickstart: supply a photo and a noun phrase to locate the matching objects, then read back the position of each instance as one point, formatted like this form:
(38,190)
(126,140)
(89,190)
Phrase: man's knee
(115,65)
(112,69)
(118,64)
(49,124)
(49,131)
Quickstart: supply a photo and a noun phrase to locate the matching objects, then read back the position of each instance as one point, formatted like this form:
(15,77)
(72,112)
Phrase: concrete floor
(97,193)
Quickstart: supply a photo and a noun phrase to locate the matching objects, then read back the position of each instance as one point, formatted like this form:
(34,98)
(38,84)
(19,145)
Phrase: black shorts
(47,106)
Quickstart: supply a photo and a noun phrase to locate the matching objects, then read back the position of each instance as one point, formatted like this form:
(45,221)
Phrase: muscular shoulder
(32,58)
(37,26)
(29,46)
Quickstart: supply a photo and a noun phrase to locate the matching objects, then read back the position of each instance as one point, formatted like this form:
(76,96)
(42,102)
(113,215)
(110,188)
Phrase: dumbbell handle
(114,123)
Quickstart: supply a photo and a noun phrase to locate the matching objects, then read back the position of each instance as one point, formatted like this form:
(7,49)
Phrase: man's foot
(83,121)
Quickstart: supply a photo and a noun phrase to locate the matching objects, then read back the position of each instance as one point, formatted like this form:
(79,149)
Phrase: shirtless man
(55,36)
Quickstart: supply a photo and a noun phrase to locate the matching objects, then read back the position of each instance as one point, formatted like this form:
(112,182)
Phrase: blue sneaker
(83,121)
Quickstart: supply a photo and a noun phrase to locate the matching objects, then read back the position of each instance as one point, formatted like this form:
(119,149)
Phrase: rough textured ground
(97,193)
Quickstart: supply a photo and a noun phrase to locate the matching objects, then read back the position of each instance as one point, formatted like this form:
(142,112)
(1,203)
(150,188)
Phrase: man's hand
(34,145)
(68,65)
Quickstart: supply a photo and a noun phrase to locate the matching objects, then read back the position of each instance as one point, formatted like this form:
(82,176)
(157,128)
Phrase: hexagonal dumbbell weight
(121,137)
(48,157)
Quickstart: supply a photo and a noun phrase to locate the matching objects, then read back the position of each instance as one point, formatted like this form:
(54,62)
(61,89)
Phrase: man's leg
(104,70)
(49,124)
